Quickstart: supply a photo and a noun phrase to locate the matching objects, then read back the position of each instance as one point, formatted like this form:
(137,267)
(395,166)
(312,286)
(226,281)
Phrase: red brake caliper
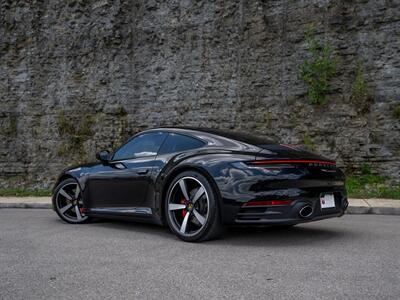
(183,201)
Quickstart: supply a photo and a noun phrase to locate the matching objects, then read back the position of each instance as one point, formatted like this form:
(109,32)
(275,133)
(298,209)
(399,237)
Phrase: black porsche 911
(197,180)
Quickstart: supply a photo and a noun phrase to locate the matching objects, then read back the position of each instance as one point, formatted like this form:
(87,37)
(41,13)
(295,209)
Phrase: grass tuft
(371,186)
(24,192)
(358,186)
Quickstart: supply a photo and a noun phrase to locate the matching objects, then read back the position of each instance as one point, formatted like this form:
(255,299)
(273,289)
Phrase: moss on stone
(76,132)
(120,111)
(308,143)
(396,111)
(10,129)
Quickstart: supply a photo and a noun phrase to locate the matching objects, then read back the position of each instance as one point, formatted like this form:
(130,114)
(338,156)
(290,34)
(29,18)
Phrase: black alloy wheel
(191,208)
(67,202)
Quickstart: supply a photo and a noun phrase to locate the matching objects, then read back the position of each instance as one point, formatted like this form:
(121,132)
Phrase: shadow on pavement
(281,237)
(240,236)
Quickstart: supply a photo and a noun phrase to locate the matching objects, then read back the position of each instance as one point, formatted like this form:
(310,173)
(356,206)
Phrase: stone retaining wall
(78,76)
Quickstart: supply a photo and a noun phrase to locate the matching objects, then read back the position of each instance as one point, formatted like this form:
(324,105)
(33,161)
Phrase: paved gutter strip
(356,206)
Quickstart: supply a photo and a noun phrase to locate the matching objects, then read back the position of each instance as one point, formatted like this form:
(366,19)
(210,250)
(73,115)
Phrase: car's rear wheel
(67,202)
(191,208)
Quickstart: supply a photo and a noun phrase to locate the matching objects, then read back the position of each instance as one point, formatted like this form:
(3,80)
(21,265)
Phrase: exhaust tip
(306,211)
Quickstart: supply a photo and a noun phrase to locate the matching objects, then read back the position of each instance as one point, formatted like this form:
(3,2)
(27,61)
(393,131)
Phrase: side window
(146,144)
(177,142)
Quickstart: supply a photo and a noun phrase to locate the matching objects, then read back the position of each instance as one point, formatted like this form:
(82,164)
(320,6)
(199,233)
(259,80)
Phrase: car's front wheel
(67,202)
(191,208)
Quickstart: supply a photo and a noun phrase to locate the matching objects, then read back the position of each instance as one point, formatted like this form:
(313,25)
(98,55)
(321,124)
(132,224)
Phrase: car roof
(233,135)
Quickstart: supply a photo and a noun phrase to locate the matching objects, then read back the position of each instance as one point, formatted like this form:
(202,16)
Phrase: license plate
(327,201)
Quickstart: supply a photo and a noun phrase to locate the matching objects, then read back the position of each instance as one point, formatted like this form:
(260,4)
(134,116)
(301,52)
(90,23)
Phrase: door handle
(142,172)
(120,166)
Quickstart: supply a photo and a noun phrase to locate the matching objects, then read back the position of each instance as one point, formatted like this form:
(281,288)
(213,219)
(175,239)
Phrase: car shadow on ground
(281,237)
(132,226)
(302,234)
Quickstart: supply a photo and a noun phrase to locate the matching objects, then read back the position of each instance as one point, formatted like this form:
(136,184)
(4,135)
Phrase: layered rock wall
(78,76)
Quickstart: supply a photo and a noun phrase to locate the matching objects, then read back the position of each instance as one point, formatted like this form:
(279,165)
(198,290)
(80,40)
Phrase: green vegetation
(24,192)
(371,186)
(358,186)
(120,112)
(368,185)
(69,127)
(360,92)
(396,111)
(12,128)
(76,131)
(318,71)
(308,143)
(366,169)
(121,116)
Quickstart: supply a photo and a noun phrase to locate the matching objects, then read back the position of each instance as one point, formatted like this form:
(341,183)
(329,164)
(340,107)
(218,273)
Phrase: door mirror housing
(103,156)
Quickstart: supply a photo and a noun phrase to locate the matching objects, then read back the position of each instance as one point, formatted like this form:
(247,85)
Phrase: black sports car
(197,180)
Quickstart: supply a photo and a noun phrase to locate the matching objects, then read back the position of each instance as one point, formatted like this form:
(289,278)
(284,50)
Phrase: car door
(120,186)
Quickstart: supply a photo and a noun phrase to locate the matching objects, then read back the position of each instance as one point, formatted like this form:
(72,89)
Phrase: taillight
(291,161)
(268,203)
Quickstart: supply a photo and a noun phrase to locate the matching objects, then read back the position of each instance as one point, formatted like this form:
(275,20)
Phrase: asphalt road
(353,257)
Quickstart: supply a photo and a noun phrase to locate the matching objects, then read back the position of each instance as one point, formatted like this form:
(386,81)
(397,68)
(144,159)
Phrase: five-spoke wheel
(191,207)
(67,201)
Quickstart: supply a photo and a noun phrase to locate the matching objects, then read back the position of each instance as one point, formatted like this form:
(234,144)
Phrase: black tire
(211,226)
(66,197)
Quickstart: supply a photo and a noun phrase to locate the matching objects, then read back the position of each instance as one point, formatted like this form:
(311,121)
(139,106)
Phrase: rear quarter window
(177,142)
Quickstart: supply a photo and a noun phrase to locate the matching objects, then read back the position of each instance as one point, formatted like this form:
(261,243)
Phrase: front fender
(71,172)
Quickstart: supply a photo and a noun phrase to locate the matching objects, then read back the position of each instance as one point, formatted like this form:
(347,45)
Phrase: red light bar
(268,203)
(291,161)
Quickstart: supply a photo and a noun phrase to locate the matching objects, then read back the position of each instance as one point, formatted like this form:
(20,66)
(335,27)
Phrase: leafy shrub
(317,71)
(360,92)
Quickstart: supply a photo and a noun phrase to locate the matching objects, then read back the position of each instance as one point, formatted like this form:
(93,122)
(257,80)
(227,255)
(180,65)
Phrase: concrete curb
(25,202)
(25,205)
(356,206)
(374,206)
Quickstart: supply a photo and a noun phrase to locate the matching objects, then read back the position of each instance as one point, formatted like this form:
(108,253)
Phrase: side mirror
(103,156)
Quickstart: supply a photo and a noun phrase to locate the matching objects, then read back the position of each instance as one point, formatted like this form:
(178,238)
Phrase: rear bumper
(289,214)
(293,221)
(241,186)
